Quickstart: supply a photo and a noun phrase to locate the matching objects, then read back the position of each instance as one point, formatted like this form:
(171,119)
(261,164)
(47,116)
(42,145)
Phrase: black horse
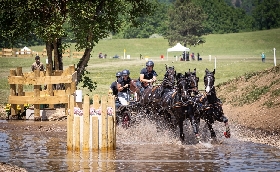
(209,107)
(187,90)
(178,105)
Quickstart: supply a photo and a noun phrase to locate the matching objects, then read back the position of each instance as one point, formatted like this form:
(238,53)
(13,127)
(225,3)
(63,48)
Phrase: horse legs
(223,119)
(210,127)
(182,135)
(194,122)
(227,132)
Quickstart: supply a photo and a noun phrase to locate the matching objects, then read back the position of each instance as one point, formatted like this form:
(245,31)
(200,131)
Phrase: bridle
(182,88)
(209,80)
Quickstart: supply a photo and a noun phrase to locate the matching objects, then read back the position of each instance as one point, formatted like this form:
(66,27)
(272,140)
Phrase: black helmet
(125,72)
(37,57)
(118,74)
(150,63)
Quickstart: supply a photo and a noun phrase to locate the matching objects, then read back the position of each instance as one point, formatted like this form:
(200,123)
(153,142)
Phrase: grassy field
(235,54)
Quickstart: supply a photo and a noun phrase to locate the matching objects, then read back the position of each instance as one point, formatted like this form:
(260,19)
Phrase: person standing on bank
(147,75)
(263,57)
(123,87)
(37,65)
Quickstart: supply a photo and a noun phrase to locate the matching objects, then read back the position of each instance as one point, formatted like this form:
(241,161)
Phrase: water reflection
(143,148)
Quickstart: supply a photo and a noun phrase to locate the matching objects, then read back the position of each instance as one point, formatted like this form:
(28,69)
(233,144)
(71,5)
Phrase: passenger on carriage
(147,75)
(123,87)
(114,85)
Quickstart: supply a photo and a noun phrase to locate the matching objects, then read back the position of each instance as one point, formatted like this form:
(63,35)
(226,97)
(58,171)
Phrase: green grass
(236,54)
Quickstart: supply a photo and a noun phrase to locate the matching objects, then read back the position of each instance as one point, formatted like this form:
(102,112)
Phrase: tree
(90,22)
(185,23)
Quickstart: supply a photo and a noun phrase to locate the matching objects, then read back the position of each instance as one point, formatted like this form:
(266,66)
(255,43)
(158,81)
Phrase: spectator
(37,65)
(263,57)
(100,55)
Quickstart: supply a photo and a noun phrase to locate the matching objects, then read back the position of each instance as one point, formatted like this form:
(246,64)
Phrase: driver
(123,87)
(148,75)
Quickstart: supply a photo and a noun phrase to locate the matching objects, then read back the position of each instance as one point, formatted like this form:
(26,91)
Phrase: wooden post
(96,103)
(68,90)
(111,124)
(95,125)
(86,123)
(20,88)
(37,96)
(13,92)
(76,143)
(73,84)
(94,133)
(49,86)
(70,119)
(104,131)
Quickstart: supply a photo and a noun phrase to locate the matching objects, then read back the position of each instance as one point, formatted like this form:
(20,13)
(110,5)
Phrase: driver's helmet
(150,63)
(118,74)
(125,72)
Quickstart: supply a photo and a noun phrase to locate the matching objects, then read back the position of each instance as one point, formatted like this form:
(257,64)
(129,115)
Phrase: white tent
(25,50)
(177,47)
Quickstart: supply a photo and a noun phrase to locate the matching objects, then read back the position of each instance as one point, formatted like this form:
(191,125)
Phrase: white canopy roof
(177,47)
(25,49)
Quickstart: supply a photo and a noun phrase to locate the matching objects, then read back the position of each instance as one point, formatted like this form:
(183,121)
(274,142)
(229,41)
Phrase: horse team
(177,99)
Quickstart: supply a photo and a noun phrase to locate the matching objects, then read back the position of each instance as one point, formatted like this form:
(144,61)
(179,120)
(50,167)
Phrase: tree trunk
(59,54)
(49,49)
(55,53)
(81,66)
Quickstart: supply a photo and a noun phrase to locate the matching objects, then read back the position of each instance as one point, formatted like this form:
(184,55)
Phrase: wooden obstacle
(6,52)
(38,96)
(93,129)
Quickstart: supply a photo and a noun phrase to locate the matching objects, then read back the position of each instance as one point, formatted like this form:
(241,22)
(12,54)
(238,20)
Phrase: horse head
(209,80)
(182,86)
(169,77)
(192,79)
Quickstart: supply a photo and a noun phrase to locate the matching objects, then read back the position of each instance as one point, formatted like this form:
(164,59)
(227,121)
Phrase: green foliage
(253,95)
(267,14)
(222,18)
(268,104)
(250,75)
(87,82)
(156,23)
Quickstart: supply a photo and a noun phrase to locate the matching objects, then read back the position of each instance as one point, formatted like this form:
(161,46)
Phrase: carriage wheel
(126,119)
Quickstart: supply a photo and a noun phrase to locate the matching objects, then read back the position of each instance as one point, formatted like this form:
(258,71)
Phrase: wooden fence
(18,53)
(39,79)
(6,52)
(91,127)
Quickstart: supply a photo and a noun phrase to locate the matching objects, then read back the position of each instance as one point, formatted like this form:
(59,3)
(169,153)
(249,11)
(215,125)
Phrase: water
(41,146)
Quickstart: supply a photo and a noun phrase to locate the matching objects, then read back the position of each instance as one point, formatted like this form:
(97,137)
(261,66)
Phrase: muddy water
(41,146)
